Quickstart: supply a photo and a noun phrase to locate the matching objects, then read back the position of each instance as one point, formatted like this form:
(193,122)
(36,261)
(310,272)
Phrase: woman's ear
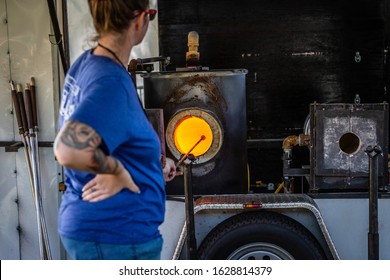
(140,21)
(138,28)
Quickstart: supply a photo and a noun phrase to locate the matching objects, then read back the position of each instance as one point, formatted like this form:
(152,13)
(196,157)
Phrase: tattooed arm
(77,146)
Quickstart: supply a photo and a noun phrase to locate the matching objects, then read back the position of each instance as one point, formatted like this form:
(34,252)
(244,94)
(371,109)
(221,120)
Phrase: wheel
(260,236)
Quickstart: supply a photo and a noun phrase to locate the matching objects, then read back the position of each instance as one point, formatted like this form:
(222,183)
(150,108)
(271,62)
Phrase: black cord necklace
(114,54)
(120,62)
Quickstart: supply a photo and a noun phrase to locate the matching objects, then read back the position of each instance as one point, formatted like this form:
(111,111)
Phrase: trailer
(278,117)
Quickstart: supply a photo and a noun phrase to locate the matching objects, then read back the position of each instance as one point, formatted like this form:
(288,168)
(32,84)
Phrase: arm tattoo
(101,164)
(80,136)
(83,137)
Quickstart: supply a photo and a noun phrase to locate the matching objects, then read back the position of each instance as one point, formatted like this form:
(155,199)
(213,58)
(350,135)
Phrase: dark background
(297,52)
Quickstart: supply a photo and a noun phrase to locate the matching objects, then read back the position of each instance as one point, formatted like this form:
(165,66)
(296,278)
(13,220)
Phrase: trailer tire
(260,235)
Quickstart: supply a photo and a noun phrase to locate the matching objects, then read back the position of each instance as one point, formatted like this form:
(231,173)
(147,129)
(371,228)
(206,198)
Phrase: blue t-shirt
(100,93)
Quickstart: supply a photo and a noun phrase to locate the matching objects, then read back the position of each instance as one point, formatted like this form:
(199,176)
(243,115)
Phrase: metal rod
(190,216)
(34,110)
(184,157)
(18,144)
(25,108)
(37,192)
(189,201)
(17,97)
(373,234)
(37,195)
(57,33)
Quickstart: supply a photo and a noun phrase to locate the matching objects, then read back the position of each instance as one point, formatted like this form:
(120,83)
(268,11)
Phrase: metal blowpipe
(184,157)
(26,114)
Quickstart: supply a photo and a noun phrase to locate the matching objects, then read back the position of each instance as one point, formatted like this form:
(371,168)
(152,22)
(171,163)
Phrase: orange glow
(191,130)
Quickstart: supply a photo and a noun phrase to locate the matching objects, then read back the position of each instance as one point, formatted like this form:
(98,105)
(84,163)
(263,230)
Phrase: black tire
(260,235)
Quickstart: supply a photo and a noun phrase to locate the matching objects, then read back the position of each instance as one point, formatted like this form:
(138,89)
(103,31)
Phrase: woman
(115,197)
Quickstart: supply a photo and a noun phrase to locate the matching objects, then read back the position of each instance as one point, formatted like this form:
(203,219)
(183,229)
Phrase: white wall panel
(6,118)
(25,52)
(30,51)
(9,237)
(81,31)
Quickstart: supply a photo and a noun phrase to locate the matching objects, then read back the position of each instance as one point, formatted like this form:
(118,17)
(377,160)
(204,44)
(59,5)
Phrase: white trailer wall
(25,51)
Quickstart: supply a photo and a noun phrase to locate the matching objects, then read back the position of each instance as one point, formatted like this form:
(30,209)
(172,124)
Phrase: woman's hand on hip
(104,186)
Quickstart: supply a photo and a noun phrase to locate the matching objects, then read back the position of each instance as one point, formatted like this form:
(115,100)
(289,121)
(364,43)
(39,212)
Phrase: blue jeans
(86,250)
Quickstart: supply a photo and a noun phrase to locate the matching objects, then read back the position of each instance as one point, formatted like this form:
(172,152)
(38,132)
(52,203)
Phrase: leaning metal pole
(37,192)
(20,110)
(34,110)
(190,216)
(189,200)
(25,108)
(17,97)
(373,234)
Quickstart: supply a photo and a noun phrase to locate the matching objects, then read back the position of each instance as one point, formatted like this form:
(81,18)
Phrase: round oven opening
(191,131)
(349,143)
(195,131)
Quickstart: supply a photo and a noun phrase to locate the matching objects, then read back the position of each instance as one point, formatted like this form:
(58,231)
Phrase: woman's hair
(114,15)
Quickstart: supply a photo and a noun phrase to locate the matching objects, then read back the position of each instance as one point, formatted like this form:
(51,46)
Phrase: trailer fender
(260,235)
(212,211)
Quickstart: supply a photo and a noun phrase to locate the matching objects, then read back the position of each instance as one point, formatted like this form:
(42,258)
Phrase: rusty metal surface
(334,169)
(156,118)
(199,86)
(220,94)
(261,199)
